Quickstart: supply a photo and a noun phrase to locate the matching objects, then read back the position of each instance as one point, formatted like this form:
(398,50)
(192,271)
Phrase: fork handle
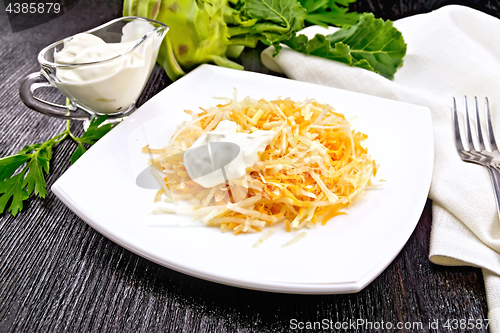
(495,180)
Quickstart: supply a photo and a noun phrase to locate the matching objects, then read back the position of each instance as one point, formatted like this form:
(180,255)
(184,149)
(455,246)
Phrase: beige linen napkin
(452,52)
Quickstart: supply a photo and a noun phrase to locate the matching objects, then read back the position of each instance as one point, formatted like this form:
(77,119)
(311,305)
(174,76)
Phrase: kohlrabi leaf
(374,40)
(372,44)
(335,18)
(312,5)
(319,46)
(282,12)
(277,20)
(329,12)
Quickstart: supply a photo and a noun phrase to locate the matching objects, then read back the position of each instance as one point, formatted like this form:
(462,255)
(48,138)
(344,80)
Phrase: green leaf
(312,5)
(376,41)
(363,63)
(35,180)
(30,179)
(17,188)
(9,165)
(277,20)
(344,3)
(372,44)
(282,12)
(78,153)
(30,148)
(321,47)
(335,18)
(13,188)
(330,12)
(96,130)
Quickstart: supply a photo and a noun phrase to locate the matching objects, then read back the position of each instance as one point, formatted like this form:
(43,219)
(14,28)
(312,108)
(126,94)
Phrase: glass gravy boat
(110,85)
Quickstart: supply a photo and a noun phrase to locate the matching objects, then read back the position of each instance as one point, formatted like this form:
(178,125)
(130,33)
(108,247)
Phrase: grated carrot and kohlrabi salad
(314,166)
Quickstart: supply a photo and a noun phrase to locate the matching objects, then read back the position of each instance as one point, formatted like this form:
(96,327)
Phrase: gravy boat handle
(34,81)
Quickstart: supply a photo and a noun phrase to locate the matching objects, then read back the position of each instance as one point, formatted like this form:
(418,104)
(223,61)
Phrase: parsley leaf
(39,162)
(31,179)
(35,160)
(95,131)
(9,165)
(79,151)
(13,188)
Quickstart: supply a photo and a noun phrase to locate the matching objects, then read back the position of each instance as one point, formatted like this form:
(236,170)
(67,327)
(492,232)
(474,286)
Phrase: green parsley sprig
(34,162)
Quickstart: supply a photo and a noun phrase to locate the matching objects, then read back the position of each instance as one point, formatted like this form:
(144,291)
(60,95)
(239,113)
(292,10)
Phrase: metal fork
(479,154)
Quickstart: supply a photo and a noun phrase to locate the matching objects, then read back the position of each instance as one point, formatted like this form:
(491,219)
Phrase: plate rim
(264,285)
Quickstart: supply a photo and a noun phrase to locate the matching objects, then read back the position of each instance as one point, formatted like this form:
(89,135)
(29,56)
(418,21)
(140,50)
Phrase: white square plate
(343,256)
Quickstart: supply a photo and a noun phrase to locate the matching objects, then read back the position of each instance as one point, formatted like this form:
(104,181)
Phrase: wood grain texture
(59,275)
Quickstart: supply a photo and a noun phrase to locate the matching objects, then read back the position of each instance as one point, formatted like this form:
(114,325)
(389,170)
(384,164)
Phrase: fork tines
(490,137)
(487,158)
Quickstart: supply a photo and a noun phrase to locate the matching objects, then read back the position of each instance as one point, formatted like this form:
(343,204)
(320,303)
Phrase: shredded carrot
(158,195)
(331,215)
(315,166)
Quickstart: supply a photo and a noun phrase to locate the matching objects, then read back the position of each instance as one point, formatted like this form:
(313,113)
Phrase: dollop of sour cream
(226,131)
(110,86)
